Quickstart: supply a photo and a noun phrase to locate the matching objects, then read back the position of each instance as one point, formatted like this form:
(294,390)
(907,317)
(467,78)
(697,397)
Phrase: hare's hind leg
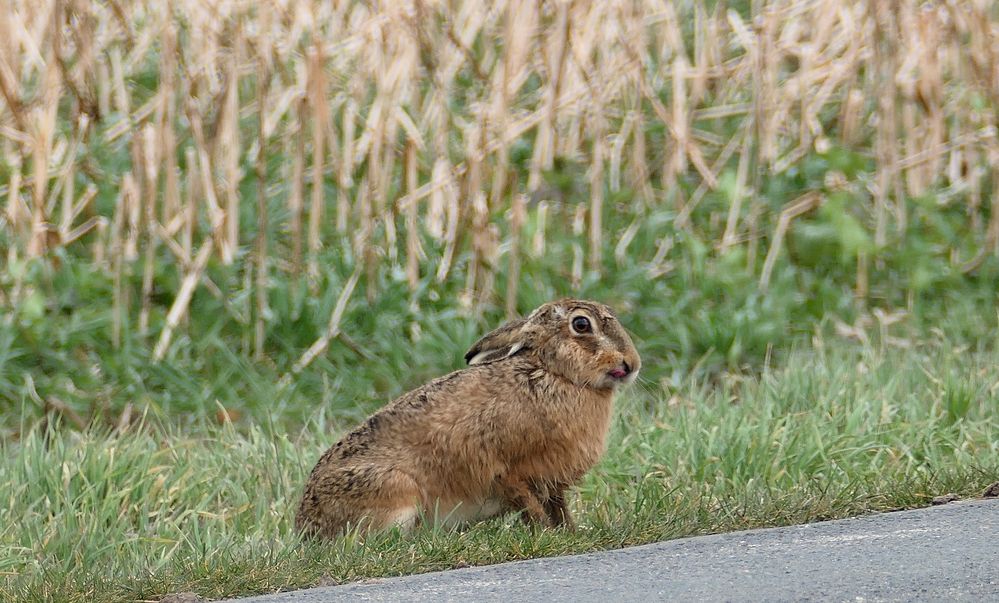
(395,502)
(361,498)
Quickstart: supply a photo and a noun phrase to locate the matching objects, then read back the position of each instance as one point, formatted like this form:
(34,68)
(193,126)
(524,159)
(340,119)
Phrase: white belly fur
(468,511)
(405,518)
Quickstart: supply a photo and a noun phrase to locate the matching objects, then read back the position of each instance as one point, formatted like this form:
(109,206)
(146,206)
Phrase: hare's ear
(504,342)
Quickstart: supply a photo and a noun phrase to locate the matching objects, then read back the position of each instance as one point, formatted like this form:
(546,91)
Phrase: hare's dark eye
(581,324)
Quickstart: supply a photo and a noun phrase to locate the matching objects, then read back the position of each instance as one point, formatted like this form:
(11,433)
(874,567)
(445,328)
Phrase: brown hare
(526,420)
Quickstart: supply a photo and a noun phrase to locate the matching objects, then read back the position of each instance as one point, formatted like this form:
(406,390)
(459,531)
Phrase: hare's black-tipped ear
(504,342)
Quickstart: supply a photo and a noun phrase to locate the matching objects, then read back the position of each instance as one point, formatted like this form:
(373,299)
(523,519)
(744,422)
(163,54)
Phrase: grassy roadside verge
(839,429)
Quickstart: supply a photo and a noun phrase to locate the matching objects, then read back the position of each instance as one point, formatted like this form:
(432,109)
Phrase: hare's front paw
(518,496)
(558,511)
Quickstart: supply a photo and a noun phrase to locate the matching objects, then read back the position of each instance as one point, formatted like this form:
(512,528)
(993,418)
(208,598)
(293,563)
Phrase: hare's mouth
(620,373)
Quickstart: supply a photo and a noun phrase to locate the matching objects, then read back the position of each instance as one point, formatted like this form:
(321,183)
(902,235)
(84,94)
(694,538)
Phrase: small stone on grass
(946,498)
(992,491)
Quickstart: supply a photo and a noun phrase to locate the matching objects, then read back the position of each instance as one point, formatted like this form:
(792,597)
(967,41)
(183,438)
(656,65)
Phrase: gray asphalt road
(947,553)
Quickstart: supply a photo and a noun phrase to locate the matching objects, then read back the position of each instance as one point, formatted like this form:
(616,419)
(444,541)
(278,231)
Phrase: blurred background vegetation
(239,209)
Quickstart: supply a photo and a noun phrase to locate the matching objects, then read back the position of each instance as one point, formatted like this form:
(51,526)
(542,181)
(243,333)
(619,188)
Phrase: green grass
(754,409)
(703,317)
(838,429)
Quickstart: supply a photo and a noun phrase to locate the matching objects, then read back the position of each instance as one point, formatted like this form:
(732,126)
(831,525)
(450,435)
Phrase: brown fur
(511,432)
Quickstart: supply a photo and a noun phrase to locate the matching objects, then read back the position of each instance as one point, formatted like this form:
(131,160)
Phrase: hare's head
(579,340)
